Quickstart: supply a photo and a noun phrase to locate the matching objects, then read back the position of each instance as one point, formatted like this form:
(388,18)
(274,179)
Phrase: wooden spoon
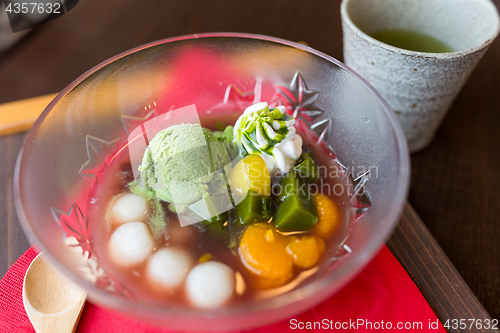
(53,303)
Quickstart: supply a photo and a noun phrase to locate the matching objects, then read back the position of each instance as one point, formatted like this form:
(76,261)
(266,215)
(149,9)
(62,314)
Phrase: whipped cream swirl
(269,133)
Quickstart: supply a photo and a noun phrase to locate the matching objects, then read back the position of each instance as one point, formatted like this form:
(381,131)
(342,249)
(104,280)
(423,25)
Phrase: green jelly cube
(217,226)
(296,213)
(255,208)
(218,230)
(308,169)
(212,208)
(291,184)
(217,218)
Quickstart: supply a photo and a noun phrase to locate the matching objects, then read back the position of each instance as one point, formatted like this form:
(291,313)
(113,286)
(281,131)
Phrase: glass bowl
(83,126)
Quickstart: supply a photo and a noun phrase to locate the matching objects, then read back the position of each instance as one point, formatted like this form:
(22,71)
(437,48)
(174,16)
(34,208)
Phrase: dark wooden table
(454,181)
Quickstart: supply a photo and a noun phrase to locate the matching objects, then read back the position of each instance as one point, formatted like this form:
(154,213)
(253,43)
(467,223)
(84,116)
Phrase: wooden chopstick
(19,116)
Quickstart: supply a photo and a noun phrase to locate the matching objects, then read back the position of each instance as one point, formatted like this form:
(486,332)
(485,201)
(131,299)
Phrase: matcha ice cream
(181,162)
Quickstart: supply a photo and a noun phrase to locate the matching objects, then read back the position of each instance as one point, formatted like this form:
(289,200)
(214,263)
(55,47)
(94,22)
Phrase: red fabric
(383,291)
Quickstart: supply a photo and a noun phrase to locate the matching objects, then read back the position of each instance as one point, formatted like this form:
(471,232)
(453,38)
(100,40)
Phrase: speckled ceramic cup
(420,87)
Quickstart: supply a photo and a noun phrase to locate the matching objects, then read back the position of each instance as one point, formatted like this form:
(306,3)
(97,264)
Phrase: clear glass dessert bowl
(89,121)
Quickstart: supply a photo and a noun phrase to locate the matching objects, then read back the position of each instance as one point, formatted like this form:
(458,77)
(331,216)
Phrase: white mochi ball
(130,244)
(210,284)
(168,268)
(128,207)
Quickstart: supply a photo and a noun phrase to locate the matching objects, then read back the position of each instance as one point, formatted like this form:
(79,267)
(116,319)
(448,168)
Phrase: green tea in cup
(417,54)
(412,40)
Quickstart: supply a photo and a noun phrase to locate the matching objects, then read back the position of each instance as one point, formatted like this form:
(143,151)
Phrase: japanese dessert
(226,216)
(148,250)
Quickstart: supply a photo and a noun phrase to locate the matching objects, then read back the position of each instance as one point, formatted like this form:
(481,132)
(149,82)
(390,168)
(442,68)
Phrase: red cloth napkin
(382,294)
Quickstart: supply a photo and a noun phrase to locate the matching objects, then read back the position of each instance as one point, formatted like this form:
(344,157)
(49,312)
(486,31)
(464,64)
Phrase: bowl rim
(315,292)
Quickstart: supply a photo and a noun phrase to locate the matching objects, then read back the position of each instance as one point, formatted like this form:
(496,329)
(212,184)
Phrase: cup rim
(310,294)
(344,13)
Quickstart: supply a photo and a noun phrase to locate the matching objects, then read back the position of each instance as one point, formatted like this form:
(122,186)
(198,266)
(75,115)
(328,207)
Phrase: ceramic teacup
(419,86)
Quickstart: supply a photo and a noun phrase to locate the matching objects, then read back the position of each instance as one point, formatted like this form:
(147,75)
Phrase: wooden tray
(18,116)
(431,270)
(411,243)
